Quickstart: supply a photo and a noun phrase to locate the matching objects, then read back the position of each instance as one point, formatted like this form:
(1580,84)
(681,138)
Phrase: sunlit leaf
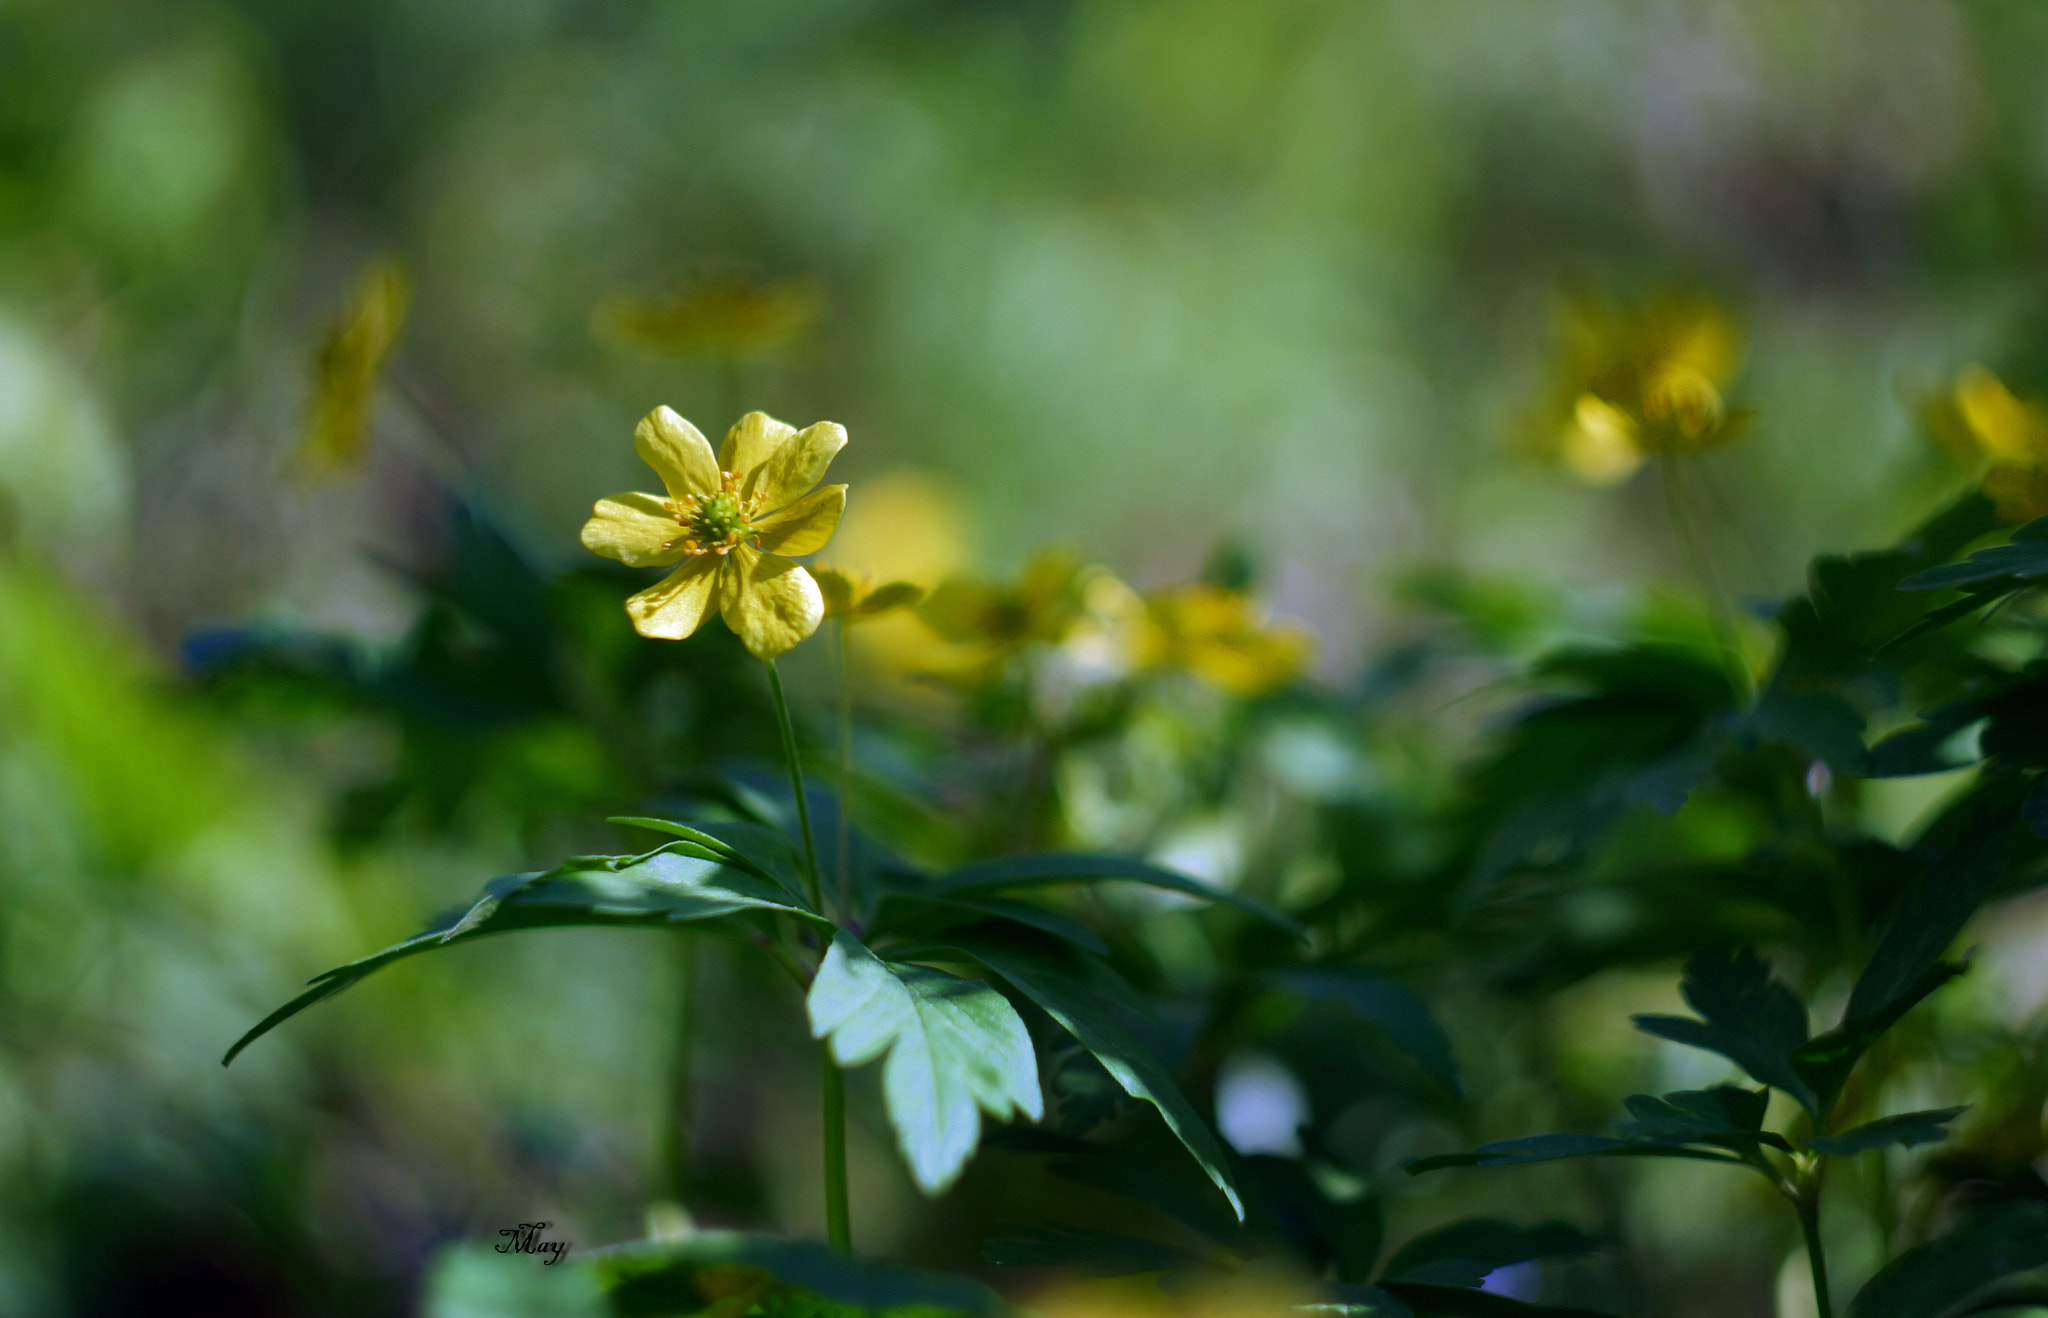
(955,1048)
(663,888)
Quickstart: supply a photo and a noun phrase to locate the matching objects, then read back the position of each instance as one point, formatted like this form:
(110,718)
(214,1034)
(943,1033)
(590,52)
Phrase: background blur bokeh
(1130,278)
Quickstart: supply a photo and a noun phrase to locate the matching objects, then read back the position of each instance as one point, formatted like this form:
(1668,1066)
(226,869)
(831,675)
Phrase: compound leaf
(955,1047)
(1750,1018)
(1093,1012)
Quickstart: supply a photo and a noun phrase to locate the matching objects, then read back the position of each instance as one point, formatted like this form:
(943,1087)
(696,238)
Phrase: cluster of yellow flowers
(731,524)
(1640,382)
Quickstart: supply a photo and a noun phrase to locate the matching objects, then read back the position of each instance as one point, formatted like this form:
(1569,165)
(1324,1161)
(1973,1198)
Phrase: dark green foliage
(1906,1130)
(1463,1253)
(1750,1018)
(1944,1275)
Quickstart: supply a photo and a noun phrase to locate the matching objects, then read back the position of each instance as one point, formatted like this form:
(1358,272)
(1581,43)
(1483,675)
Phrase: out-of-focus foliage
(1099,288)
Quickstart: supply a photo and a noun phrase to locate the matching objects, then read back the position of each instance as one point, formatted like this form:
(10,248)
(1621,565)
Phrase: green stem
(796,783)
(838,1220)
(1720,612)
(1808,1206)
(845,772)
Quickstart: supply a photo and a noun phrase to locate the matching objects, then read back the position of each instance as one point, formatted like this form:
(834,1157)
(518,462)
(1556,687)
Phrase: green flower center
(718,520)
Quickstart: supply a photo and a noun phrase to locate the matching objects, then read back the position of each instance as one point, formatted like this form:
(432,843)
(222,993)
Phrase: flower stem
(838,1220)
(845,773)
(832,1081)
(796,783)
(1808,1206)
(1720,612)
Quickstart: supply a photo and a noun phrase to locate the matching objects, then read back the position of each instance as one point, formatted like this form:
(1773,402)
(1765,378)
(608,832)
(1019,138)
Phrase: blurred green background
(1130,277)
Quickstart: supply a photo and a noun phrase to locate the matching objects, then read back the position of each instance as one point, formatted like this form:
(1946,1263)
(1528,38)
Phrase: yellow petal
(752,439)
(673,448)
(636,529)
(804,526)
(796,466)
(672,608)
(769,601)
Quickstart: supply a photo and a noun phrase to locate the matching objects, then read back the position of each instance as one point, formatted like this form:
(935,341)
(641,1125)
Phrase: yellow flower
(1640,381)
(1216,634)
(727,316)
(729,522)
(347,367)
(855,597)
(1980,418)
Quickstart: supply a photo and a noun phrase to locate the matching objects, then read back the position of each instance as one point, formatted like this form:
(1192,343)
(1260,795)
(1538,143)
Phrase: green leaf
(1827,1061)
(1941,1276)
(1726,1115)
(1097,1253)
(656,1279)
(918,916)
(1750,1018)
(1092,1012)
(671,886)
(955,1047)
(1551,1148)
(1397,1010)
(1998,569)
(1967,847)
(757,848)
(1037,869)
(1907,1129)
(1463,1253)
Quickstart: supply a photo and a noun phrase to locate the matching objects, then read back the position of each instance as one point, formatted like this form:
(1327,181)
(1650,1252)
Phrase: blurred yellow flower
(727,316)
(1979,418)
(729,521)
(1634,382)
(348,365)
(998,620)
(1217,634)
(855,597)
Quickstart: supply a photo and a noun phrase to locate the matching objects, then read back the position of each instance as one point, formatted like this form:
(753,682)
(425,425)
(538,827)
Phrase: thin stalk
(845,771)
(1706,580)
(1816,1257)
(838,1218)
(796,783)
(832,1083)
